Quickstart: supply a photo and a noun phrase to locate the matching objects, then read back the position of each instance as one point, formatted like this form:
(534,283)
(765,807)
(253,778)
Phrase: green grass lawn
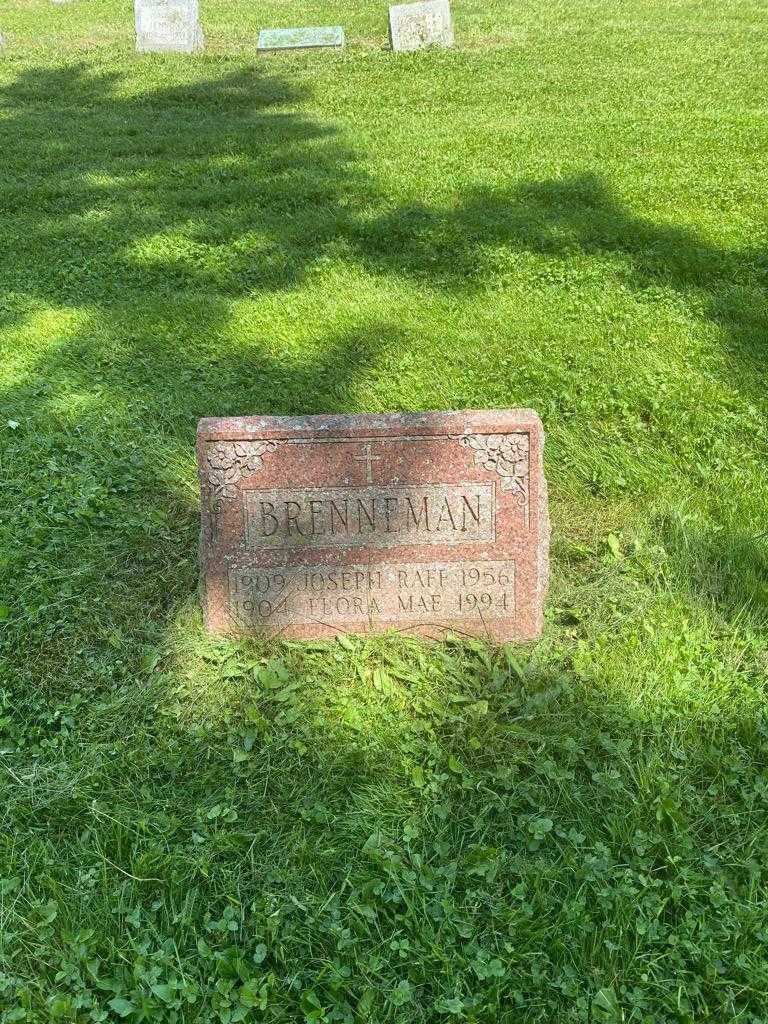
(567,212)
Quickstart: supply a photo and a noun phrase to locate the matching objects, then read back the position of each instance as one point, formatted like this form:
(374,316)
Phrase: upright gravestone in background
(427,523)
(413,26)
(168,26)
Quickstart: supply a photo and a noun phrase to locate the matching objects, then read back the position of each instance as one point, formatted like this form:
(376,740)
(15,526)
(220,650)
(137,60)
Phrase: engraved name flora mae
(428,523)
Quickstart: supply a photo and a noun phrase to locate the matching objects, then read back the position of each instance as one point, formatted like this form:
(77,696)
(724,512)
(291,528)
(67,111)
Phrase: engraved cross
(368,459)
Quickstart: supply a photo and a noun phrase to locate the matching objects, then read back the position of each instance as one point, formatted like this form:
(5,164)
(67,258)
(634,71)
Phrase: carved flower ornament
(230,461)
(505,454)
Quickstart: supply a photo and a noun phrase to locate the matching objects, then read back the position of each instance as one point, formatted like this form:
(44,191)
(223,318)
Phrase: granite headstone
(168,26)
(428,523)
(414,26)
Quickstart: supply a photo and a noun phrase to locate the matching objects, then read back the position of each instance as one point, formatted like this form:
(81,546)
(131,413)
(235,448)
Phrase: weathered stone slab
(300,38)
(429,523)
(168,26)
(414,26)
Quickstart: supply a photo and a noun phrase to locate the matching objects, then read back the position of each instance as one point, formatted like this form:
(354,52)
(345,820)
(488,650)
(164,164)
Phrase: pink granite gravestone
(424,522)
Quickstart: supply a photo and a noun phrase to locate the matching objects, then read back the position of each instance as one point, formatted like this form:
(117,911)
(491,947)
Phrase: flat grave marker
(168,26)
(414,26)
(425,522)
(272,39)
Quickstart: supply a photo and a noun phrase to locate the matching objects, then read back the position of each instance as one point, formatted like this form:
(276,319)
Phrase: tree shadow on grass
(447,828)
(579,215)
(150,213)
(218,185)
(223,187)
(362,823)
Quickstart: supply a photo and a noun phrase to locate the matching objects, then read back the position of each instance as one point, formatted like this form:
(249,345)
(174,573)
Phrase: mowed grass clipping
(566,212)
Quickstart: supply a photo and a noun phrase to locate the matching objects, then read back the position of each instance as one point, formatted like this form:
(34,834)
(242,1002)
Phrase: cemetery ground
(566,212)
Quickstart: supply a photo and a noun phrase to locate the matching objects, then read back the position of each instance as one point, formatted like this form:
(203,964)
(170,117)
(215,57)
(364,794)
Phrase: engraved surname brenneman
(375,516)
